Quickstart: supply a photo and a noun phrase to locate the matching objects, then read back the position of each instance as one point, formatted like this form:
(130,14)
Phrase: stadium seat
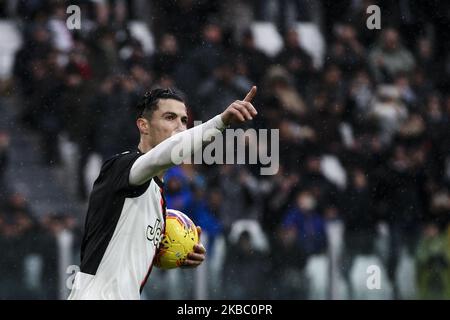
(317,272)
(335,232)
(333,170)
(312,41)
(359,275)
(93,167)
(141,32)
(215,265)
(33,264)
(68,151)
(267,38)
(258,237)
(406,276)
(10,42)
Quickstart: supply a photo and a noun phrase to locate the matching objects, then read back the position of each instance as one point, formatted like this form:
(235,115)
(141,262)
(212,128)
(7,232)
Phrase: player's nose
(180,126)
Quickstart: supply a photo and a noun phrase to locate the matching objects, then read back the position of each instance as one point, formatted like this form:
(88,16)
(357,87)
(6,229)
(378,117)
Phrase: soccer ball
(179,238)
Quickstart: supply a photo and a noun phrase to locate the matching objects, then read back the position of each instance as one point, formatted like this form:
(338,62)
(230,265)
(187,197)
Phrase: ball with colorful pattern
(180,236)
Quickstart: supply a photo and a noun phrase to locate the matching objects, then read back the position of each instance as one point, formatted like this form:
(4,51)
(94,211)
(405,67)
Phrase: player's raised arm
(161,157)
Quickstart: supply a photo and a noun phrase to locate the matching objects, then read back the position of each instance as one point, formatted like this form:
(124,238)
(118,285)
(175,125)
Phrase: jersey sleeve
(116,172)
(174,150)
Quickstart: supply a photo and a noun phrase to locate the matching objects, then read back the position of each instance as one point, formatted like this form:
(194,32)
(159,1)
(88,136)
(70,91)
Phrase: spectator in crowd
(281,85)
(359,219)
(52,245)
(167,57)
(284,12)
(389,111)
(17,232)
(390,57)
(405,181)
(433,262)
(240,278)
(252,57)
(79,116)
(178,193)
(309,224)
(223,79)
(203,60)
(114,102)
(295,59)
(288,262)
(347,52)
(37,47)
(230,186)
(205,213)
(282,187)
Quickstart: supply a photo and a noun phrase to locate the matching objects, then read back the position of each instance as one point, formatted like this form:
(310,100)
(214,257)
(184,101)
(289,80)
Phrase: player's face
(168,119)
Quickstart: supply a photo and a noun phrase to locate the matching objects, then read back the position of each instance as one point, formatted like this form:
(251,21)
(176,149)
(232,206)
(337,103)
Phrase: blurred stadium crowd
(364,138)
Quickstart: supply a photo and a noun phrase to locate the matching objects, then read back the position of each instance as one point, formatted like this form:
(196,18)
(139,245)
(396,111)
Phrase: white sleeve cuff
(218,122)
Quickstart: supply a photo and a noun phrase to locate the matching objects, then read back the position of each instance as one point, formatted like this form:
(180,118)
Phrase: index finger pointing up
(251,94)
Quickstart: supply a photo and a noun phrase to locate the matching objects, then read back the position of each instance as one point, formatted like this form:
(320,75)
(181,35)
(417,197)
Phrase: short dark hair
(149,102)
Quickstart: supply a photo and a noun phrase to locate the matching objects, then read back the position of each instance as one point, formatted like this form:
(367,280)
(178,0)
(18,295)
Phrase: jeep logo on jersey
(154,233)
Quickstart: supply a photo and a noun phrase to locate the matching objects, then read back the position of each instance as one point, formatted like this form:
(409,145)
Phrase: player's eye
(184,120)
(170,117)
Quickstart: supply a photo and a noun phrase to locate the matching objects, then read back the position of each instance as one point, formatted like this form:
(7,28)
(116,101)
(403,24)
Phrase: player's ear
(142,125)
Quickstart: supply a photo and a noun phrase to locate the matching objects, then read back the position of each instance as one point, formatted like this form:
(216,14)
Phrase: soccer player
(125,218)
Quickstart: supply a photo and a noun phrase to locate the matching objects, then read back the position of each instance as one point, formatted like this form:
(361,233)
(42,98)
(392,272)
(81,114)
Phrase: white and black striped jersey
(122,231)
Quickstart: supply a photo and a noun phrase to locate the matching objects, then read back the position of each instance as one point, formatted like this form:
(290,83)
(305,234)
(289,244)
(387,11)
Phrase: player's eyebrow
(171,113)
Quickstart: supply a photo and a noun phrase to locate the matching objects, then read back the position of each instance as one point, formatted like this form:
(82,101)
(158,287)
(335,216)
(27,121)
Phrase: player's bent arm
(163,156)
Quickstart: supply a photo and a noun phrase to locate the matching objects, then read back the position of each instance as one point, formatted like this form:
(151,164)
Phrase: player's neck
(144,146)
